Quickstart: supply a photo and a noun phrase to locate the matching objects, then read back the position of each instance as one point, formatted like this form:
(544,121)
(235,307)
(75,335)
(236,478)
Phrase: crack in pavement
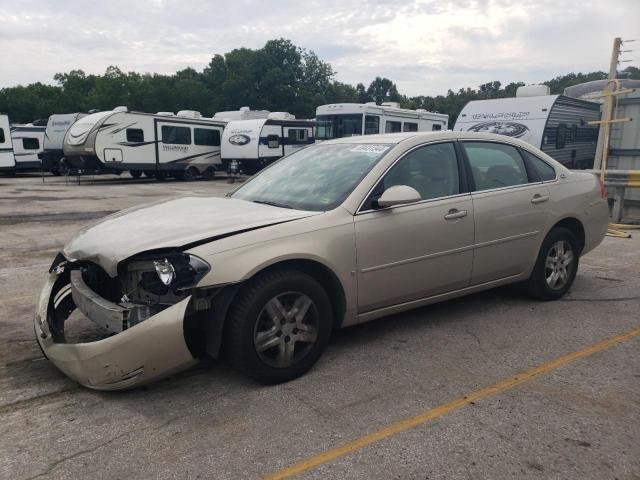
(52,466)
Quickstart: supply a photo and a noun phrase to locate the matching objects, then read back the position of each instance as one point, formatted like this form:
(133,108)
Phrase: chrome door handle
(455,213)
(537,198)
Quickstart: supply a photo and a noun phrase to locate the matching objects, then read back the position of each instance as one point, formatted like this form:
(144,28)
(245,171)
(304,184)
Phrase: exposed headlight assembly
(175,272)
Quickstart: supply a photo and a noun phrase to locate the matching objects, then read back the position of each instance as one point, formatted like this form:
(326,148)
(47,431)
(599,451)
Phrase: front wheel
(556,266)
(279,326)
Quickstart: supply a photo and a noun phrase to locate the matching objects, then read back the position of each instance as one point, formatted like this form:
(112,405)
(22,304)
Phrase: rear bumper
(150,350)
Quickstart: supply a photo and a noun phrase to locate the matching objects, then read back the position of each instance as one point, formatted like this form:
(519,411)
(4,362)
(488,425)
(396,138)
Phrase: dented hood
(172,223)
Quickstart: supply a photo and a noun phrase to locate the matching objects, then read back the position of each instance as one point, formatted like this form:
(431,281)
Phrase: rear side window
(544,170)
(392,127)
(2,137)
(371,125)
(495,165)
(409,127)
(176,135)
(135,135)
(30,143)
(206,136)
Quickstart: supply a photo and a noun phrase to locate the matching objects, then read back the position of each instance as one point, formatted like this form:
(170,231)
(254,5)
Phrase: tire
(135,173)
(149,173)
(190,174)
(161,176)
(290,346)
(209,173)
(552,276)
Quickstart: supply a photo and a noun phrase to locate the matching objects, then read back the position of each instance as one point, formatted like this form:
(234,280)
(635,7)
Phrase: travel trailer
(57,126)
(183,145)
(347,119)
(250,145)
(556,124)
(245,113)
(7,159)
(27,141)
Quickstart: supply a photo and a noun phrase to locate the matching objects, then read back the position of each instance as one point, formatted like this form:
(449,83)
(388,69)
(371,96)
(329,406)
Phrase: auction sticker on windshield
(371,148)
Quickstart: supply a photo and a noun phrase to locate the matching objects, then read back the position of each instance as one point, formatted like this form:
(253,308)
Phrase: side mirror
(398,195)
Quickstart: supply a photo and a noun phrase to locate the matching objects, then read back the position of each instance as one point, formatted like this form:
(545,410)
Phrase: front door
(510,210)
(422,249)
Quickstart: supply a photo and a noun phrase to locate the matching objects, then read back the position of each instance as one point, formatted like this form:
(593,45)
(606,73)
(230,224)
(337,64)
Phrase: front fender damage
(147,351)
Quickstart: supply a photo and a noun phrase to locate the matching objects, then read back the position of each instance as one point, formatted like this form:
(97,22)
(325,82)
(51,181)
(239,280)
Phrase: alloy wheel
(558,264)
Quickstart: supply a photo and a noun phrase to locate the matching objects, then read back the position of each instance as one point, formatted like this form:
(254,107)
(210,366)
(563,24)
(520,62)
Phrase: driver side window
(432,170)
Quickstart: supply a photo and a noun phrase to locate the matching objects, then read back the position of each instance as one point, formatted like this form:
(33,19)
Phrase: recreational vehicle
(250,145)
(7,159)
(556,124)
(57,126)
(347,119)
(27,143)
(184,145)
(245,113)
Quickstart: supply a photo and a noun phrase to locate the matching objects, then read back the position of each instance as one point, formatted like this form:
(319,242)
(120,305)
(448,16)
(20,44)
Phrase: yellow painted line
(412,422)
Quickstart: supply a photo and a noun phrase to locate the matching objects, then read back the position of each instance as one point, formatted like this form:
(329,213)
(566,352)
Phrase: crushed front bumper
(150,350)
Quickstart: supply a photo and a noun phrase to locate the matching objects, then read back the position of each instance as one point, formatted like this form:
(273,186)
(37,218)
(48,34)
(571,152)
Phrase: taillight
(603,189)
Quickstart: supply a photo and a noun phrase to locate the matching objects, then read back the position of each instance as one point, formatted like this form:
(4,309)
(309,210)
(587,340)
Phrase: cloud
(426,47)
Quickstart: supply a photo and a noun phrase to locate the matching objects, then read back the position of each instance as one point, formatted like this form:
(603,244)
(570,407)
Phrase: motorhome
(556,124)
(7,159)
(244,113)
(52,154)
(27,143)
(347,119)
(183,145)
(250,145)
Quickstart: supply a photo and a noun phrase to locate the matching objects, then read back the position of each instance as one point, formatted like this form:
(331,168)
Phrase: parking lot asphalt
(580,419)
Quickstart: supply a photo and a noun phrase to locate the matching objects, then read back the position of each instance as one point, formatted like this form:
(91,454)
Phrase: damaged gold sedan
(332,235)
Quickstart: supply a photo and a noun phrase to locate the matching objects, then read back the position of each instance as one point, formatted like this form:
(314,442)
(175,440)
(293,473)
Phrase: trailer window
(561,136)
(298,134)
(176,135)
(392,127)
(30,143)
(206,136)
(135,135)
(371,124)
(436,127)
(2,137)
(409,127)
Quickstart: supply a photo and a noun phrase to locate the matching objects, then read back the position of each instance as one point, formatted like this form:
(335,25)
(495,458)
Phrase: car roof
(394,138)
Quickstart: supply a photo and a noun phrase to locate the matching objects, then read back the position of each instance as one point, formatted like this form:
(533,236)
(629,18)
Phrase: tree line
(279,77)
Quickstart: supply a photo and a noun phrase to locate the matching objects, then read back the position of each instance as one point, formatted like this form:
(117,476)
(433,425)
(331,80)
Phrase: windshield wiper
(273,204)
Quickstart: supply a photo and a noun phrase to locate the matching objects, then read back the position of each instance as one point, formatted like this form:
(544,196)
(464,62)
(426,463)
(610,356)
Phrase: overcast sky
(425,46)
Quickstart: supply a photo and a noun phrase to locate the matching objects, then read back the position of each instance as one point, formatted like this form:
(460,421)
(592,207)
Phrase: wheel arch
(575,226)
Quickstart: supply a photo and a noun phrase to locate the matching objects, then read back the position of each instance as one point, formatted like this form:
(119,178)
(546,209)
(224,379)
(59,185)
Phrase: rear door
(7,159)
(510,209)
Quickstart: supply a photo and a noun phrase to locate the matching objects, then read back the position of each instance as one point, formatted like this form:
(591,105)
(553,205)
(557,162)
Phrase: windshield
(316,178)
(338,126)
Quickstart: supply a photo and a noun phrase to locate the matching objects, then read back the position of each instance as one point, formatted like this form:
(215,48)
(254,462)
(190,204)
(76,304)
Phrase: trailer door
(7,159)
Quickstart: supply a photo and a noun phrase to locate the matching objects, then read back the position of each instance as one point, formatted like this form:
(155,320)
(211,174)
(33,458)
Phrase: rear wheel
(149,173)
(556,266)
(135,173)
(190,174)
(209,173)
(279,326)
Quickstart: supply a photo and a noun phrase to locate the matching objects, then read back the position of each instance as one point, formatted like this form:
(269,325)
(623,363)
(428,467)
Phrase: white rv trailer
(250,145)
(183,145)
(28,141)
(556,124)
(57,126)
(245,113)
(347,119)
(7,159)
